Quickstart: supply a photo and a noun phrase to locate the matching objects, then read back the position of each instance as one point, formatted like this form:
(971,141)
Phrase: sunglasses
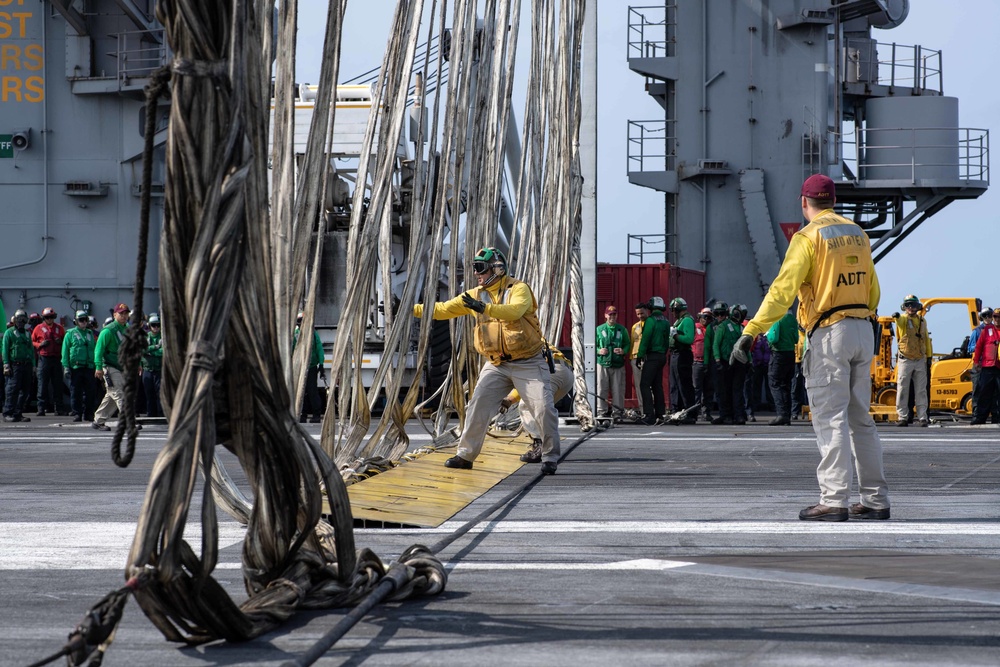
(154,324)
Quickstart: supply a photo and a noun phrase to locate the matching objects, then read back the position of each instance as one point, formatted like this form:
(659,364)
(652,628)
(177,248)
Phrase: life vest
(507,340)
(912,333)
(840,281)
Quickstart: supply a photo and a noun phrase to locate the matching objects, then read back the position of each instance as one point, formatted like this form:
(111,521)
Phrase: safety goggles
(49,317)
(480,267)
(154,324)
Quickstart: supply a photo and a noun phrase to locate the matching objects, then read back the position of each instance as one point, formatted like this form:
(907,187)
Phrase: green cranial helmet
(720,308)
(678,304)
(912,300)
(490,259)
(736,313)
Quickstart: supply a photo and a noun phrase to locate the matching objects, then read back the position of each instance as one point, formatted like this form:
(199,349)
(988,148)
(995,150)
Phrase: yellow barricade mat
(423,493)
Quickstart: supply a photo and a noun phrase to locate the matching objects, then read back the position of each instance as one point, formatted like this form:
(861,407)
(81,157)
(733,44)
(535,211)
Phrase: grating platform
(422,493)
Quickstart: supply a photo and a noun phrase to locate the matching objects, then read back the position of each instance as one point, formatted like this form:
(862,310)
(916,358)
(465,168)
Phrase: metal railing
(140,53)
(912,154)
(891,64)
(651,145)
(658,241)
(652,31)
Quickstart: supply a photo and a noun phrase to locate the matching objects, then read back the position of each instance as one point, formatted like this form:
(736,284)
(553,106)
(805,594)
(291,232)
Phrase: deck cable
(388,584)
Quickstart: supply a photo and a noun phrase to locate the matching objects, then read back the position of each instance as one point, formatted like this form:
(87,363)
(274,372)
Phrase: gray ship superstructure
(71,140)
(758,95)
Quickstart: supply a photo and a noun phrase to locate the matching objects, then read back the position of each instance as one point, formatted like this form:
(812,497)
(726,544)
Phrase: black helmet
(678,304)
(490,258)
(720,308)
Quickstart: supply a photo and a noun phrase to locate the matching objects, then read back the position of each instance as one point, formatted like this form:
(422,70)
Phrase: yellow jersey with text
(828,265)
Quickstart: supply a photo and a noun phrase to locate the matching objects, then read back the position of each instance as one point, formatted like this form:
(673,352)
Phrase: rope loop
(203,354)
(213,69)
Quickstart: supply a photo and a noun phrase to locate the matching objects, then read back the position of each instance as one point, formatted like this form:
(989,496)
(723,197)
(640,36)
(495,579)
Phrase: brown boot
(823,513)
(534,453)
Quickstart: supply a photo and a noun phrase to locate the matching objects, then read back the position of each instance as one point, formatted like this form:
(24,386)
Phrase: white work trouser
(114,399)
(561,382)
(531,379)
(837,368)
(637,383)
(915,370)
(610,380)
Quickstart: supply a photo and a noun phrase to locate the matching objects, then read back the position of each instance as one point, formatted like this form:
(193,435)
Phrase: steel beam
(73,17)
(137,16)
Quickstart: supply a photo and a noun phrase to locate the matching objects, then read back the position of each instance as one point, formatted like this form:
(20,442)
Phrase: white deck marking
(105,545)
(788,527)
(642,564)
(85,545)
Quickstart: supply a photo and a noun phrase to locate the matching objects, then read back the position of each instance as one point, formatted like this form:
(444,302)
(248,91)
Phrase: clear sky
(949,255)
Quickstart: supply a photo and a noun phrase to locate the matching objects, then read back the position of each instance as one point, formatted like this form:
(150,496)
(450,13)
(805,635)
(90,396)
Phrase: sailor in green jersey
(313,370)
(152,366)
(108,368)
(653,355)
(18,367)
(3,382)
(78,367)
(732,376)
(782,337)
(612,343)
(682,358)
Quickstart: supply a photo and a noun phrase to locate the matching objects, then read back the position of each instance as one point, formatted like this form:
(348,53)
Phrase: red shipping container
(624,285)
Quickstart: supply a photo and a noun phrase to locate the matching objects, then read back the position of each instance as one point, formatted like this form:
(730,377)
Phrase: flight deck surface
(650,546)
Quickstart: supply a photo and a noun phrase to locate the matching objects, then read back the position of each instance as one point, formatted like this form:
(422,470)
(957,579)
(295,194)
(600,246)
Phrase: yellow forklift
(950,376)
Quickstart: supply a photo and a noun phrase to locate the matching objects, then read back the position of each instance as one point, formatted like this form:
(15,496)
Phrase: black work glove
(473,304)
(322,373)
(741,351)
(895,316)
(504,406)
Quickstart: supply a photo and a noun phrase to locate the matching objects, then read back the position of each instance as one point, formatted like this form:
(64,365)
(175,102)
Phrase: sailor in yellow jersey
(641,313)
(829,265)
(507,333)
